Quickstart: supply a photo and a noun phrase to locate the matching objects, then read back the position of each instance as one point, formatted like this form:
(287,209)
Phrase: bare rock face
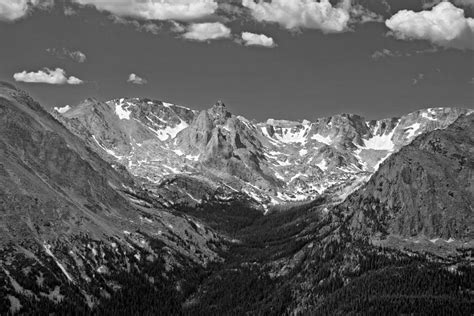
(426,189)
(225,145)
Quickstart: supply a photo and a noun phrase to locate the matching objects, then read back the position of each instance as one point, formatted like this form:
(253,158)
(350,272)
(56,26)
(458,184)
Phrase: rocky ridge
(272,162)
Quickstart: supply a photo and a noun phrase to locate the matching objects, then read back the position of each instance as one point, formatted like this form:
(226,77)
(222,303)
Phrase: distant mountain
(272,162)
(424,190)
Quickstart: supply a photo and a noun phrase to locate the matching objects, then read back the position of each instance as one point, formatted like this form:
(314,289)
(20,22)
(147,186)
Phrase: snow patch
(110,152)
(194,158)
(122,113)
(168,131)
(63,109)
(411,130)
(173,170)
(288,135)
(322,139)
(178,152)
(430,115)
(323,165)
(198,201)
(283,163)
(296,176)
(376,167)
(279,176)
(47,248)
(380,142)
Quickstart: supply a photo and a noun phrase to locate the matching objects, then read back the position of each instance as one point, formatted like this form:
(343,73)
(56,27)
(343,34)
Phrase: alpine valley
(136,206)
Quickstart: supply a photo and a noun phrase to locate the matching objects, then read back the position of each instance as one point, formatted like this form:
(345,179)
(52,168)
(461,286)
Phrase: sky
(282,59)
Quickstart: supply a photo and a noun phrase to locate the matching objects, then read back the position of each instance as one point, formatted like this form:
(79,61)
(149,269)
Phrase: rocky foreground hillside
(135,206)
(72,225)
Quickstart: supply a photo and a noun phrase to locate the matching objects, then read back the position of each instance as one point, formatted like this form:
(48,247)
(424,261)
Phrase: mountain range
(273,162)
(138,206)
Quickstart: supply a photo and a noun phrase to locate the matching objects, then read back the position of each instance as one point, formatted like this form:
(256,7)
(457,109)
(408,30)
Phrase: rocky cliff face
(425,189)
(273,162)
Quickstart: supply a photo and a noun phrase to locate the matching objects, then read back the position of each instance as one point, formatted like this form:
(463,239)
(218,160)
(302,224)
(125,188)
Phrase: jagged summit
(219,103)
(218,113)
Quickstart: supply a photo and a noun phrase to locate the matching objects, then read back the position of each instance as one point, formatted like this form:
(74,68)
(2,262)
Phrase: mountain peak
(219,103)
(219,112)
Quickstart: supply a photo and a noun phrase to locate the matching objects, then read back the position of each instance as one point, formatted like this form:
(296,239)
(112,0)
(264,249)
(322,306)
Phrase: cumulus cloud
(465,3)
(418,78)
(57,76)
(177,28)
(296,14)
(146,27)
(206,31)
(444,25)
(75,55)
(11,10)
(133,78)
(363,15)
(69,11)
(461,3)
(252,39)
(183,10)
(383,53)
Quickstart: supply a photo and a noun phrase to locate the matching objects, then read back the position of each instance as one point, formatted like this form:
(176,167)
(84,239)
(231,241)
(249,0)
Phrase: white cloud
(378,54)
(75,55)
(444,25)
(384,53)
(363,15)
(418,78)
(427,4)
(207,31)
(78,56)
(464,3)
(69,11)
(177,28)
(57,76)
(133,78)
(252,39)
(295,14)
(146,27)
(183,10)
(11,10)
